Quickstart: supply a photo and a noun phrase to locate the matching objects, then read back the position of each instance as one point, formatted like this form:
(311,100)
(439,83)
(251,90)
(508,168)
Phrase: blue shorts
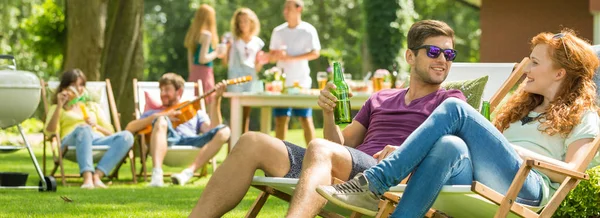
(174,138)
(296,112)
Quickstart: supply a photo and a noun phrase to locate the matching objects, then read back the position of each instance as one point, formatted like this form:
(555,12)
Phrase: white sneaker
(157,178)
(183,177)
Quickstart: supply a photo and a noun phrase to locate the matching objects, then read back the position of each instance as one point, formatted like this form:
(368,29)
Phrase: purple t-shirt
(389,121)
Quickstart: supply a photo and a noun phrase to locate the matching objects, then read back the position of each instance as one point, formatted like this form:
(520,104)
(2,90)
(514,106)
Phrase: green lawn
(122,198)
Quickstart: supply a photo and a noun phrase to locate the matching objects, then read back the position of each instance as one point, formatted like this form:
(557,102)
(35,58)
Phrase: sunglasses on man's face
(434,52)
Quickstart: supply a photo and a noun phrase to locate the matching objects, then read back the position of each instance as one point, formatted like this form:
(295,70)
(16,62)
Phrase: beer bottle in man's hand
(341,112)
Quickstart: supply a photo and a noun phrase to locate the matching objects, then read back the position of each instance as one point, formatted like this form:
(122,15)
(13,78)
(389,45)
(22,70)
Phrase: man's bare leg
(158,142)
(309,128)
(210,149)
(228,185)
(281,126)
(317,169)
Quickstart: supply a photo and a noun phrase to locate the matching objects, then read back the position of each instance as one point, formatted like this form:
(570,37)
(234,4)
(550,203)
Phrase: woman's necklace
(528,119)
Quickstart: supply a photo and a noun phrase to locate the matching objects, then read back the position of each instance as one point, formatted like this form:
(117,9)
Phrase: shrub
(584,200)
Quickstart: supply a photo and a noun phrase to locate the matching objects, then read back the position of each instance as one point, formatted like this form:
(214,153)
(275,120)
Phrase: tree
(104,39)
(85,36)
(122,58)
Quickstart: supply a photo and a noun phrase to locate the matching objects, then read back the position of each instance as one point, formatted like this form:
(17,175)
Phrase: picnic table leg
(236,121)
(266,114)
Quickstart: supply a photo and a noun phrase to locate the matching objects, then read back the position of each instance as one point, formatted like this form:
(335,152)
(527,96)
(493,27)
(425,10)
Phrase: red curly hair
(576,95)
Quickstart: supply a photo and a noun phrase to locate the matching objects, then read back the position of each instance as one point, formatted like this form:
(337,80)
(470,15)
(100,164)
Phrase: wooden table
(266,102)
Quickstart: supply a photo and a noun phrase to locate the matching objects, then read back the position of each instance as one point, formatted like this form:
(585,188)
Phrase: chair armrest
(538,164)
(136,113)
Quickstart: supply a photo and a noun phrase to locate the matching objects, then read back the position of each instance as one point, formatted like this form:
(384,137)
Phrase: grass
(122,199)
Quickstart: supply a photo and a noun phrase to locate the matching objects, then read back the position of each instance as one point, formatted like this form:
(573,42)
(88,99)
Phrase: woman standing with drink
(200,41)
(244,56)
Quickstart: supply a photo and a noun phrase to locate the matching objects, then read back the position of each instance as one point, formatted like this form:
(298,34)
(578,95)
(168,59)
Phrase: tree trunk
(123,58)
(85,36)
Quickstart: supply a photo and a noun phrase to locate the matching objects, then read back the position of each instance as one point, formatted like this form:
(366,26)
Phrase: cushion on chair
(472,89)
(152,103)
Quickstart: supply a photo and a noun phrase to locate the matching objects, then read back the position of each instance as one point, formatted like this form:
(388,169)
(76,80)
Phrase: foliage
(387,23)
(165,29)
(16,39)
(165,26)
(584,200)
(46,30)
(463,19)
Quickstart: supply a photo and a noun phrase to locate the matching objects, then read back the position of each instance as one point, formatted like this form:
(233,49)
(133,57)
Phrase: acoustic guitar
(190,108)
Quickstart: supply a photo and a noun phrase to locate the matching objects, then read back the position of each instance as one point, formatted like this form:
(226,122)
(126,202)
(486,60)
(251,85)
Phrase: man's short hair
(171,79)
(299,3)
(424,29)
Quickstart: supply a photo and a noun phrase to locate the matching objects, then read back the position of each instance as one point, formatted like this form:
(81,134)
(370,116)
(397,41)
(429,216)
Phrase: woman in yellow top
(82,125)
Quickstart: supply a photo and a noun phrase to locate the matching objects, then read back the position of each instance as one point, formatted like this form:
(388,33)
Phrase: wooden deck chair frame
(144,141)
(282,188)
(53,140)
(504,205)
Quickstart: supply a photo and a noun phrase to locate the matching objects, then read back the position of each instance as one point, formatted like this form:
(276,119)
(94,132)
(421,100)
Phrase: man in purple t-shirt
(382,124)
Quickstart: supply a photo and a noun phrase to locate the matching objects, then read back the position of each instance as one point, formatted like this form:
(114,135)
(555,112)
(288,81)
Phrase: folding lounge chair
(101,92)
(179,155)
(495,90)
(477,200)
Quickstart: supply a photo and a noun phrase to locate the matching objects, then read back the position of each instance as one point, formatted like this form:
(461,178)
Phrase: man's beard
(171,103)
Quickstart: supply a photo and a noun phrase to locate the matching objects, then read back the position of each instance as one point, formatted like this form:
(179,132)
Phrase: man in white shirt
(293,44)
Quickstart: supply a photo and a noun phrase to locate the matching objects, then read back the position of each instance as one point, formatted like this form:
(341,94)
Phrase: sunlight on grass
(122,199)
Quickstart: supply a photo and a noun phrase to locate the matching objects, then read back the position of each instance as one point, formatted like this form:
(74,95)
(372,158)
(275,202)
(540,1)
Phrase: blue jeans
(83,138)
(454,146)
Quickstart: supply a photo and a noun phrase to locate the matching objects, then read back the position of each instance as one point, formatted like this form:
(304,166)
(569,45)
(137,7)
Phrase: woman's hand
(91,121)
(62,98)
(262,57)
(385,152)
(221,50)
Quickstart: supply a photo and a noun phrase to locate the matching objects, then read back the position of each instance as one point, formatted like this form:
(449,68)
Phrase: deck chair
(482,201)
(101,92)
(177,156)
(495,90)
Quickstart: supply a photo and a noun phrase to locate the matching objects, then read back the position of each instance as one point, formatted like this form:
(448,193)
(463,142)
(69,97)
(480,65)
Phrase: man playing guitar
(203,131)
